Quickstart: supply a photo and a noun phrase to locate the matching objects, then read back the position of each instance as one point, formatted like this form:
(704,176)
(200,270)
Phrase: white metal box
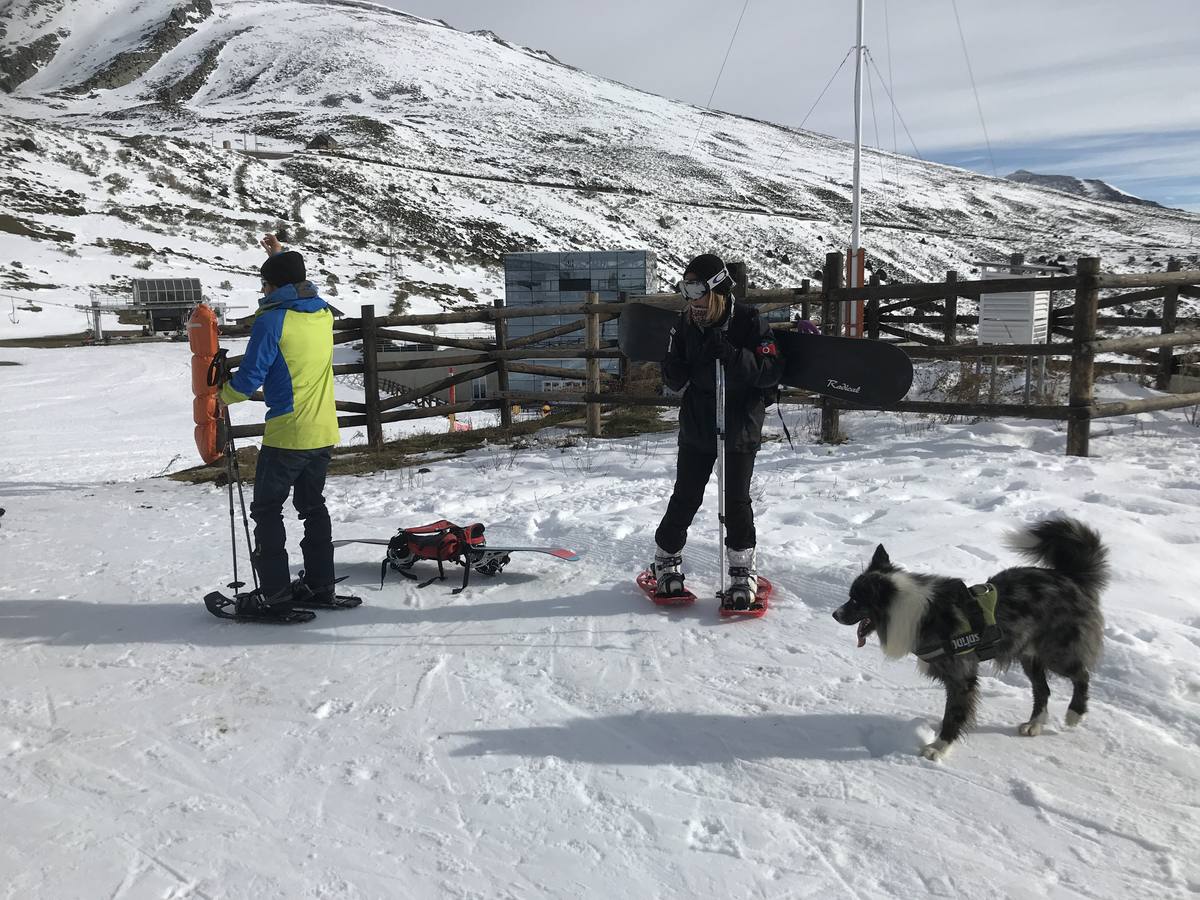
(1021,317)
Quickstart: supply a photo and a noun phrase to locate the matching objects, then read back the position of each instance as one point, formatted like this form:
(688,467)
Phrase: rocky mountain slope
(452,148)
(1093,188)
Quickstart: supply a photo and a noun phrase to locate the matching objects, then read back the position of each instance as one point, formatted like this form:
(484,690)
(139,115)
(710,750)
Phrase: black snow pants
(279,471)
(691,477)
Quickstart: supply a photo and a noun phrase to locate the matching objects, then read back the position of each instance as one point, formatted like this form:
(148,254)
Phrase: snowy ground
(550,733)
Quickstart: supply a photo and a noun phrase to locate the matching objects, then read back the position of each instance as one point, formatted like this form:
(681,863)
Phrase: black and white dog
(1049,620)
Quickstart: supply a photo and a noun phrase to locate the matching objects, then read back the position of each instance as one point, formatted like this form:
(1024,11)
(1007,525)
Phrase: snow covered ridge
(463,146)
(1082,187)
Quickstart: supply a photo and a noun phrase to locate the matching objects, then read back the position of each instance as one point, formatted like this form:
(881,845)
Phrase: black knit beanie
(705,266)
(283,269)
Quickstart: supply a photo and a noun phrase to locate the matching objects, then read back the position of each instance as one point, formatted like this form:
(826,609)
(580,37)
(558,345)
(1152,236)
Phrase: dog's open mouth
(865,627)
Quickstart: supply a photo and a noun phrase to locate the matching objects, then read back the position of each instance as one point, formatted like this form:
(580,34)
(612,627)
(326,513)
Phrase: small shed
(322,141)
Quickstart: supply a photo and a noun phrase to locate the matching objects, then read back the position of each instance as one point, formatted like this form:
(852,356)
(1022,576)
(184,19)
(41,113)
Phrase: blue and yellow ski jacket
(290,356)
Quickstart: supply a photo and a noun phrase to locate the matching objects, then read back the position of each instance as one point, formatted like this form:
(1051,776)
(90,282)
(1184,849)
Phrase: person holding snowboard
(714,327)
(290,356)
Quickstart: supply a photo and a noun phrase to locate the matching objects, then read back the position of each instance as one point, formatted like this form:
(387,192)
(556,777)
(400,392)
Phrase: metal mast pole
(857,212)
(721,473)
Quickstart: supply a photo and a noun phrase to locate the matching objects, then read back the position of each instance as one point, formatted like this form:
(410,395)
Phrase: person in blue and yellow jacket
(290,356)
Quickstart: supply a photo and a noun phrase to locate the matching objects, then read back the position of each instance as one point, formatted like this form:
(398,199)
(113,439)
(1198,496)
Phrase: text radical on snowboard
(854,369)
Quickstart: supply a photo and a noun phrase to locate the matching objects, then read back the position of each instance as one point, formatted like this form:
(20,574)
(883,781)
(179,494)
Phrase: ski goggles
(694,290)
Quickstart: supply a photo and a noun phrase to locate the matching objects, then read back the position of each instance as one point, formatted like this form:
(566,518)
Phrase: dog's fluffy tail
(1067,546)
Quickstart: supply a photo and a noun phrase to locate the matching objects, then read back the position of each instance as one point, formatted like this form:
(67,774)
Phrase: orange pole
(854,310)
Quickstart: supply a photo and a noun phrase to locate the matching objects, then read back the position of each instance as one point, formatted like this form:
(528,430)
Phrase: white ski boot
(667,570)
(742,592)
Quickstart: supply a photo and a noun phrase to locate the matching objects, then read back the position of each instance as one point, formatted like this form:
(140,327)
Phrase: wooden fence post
(1170,312)
(592,339)
(370,349)
(950,322)
(502,367)
(1087,298)
(830,324)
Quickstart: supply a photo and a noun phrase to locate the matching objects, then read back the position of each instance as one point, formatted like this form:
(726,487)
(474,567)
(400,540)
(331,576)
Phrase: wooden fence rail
(892,309)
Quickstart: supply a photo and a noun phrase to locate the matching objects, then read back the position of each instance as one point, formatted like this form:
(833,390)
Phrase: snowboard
(485,559)
(487,549)
(854,369)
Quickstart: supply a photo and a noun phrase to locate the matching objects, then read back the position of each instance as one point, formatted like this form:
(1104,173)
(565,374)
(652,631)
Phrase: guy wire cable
(792,140)
(899,115)
(887,31)
(971,74)
(721,71)
(875,124)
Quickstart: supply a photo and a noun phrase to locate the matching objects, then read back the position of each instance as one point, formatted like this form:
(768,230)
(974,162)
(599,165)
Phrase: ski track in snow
(549,732)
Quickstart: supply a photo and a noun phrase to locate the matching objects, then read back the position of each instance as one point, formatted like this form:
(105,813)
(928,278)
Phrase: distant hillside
(452,149)
(1092,188)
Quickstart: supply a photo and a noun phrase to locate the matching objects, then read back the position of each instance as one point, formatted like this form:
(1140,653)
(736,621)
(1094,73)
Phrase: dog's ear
(880,560)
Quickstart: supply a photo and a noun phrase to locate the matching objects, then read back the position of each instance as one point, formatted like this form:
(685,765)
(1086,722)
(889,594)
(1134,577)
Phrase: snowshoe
(755,610)
(649,586)
(249,607)
(305,595)
(663,581)
(745,595)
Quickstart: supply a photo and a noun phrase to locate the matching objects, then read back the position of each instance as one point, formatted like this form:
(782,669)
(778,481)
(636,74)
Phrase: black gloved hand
(716,346)
(727,352)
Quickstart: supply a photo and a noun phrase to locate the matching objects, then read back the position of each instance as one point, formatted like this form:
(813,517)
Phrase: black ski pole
(235,584)
(237,468)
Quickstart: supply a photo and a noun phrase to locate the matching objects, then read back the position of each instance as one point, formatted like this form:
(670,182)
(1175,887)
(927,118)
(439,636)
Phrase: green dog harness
(978,634)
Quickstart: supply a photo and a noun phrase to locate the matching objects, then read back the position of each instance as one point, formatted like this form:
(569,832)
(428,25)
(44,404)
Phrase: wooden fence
(891,309)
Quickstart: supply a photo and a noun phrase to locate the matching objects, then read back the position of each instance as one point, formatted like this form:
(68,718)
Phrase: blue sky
(1158,166)
(1106,89)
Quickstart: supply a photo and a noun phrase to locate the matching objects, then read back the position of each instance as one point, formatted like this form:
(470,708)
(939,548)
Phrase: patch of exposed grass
(53,341)
(627,421)
(414,450)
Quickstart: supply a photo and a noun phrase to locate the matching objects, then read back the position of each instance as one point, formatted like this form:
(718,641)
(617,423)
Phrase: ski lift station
(537,279)
(166,302)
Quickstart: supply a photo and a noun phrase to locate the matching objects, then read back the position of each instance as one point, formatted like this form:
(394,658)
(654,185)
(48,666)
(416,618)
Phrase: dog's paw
(937,751)
(1073,718)
(1033,727)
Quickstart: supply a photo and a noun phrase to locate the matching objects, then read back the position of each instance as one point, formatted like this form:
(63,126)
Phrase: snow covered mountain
(453,149)
(1082,187)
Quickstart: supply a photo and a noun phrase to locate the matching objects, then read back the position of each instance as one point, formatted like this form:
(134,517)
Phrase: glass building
(550,279)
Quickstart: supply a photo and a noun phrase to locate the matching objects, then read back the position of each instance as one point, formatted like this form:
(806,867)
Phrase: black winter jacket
(689,366)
